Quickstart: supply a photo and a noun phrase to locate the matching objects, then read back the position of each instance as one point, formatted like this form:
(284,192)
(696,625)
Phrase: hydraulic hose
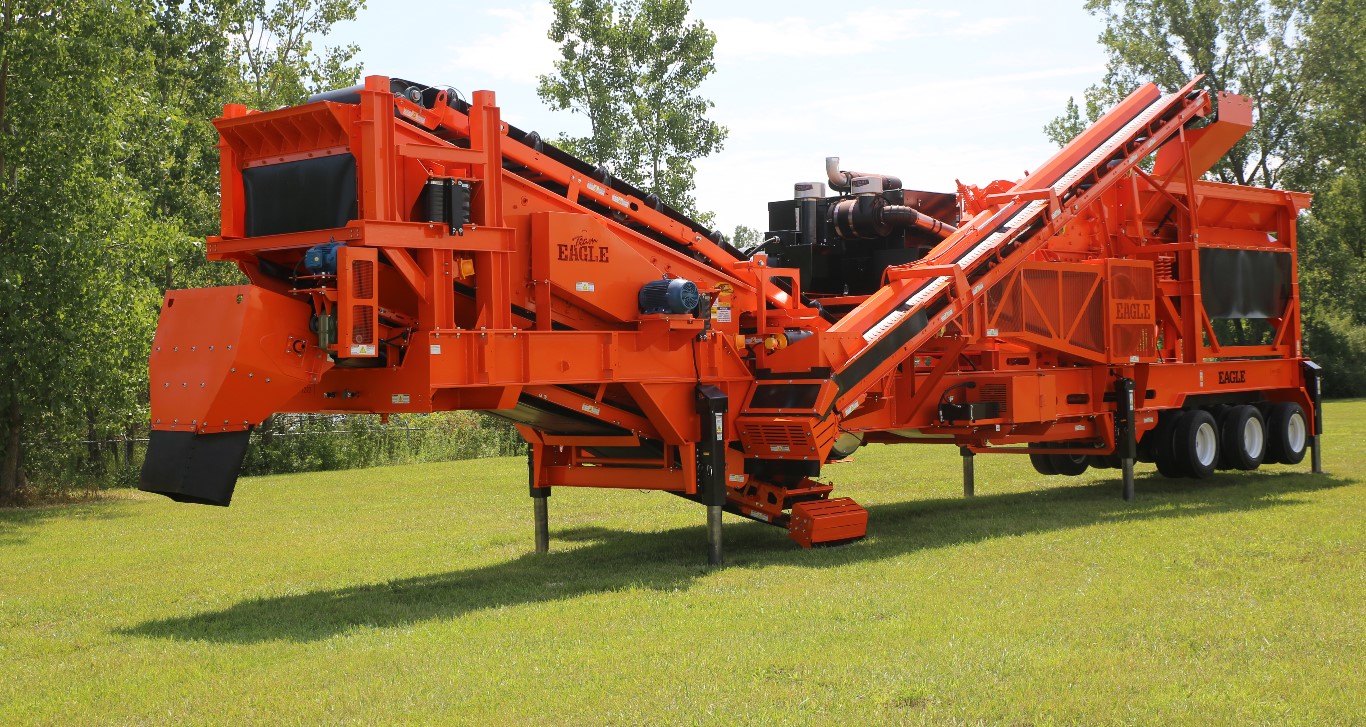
(900,216)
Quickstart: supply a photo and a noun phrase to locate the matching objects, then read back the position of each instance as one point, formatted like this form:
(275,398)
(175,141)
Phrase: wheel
(1068,464)
(1103,461)
(1287,433)
(1195,443)
(1043,464)
(1147,445)
(1242,441)
(1164,453)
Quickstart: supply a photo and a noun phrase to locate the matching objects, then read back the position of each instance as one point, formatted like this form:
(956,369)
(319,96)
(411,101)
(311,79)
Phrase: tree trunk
(92,443)
(11,474)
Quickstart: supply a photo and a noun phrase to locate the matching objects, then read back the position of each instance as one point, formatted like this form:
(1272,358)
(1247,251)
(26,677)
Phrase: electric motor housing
(669,296)
(322,259)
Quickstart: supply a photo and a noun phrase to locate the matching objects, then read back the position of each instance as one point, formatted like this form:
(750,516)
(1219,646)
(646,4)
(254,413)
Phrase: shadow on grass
(603,560)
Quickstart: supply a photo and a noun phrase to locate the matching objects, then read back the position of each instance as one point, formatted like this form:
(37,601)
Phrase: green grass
(407,594)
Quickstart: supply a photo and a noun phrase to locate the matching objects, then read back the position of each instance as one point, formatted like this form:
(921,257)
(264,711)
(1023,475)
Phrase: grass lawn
(408,594)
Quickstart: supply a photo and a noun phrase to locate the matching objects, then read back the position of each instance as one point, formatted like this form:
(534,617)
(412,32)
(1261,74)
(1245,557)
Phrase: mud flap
(197,468)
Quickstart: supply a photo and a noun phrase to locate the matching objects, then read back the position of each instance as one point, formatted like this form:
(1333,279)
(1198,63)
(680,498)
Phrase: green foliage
(1070,125)
(746,237)
(1250,47)
(273,42)
(1335,65)
(1333,248)
(1333,234)
(307,443)
(633,68)
(108,183)
(75,233)
(1338,344)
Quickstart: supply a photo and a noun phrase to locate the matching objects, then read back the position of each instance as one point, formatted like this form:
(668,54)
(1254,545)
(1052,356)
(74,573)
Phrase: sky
(928,91)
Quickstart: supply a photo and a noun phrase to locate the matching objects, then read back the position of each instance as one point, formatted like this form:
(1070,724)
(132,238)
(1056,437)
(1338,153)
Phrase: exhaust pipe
(840,181)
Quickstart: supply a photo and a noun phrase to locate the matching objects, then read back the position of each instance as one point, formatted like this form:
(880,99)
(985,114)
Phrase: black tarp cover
(1244,283)
(311,194)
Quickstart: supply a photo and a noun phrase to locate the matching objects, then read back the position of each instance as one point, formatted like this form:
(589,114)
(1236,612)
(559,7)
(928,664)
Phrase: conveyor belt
(973,247)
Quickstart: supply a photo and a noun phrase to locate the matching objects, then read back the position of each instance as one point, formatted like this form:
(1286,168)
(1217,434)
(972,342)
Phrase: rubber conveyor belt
(889,334)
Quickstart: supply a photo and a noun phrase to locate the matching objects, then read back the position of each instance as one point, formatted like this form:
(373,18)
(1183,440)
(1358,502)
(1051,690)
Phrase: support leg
(715,555)
(540,497)
(969,484)
(1126,433)
(1313,383)
(542,524)
(712,404)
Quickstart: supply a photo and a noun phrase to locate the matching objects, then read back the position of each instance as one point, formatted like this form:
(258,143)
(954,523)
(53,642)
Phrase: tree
(1333,234)
(1250,47)
(746,237)
(70,232)
(108,182)
(633,68)
(273,41)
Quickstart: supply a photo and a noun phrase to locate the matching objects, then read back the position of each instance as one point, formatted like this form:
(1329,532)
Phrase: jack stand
(712,404)
(1126,433)
(969,485)
(1313,382)
(540,497)
(1127,467)
(542,524)
(715,556)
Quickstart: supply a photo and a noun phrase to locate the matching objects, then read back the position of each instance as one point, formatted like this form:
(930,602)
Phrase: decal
(1233,376)
(582,250)
(1130,310)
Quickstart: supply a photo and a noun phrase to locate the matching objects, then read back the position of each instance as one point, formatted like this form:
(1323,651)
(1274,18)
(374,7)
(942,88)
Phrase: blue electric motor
(322,259)
(668,296)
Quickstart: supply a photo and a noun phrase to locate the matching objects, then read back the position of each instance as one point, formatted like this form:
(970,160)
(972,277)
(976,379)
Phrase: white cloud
(850,38)
(515,54)
(820,38)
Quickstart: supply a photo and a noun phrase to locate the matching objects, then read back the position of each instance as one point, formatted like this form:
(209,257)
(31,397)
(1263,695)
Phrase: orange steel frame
(536,299)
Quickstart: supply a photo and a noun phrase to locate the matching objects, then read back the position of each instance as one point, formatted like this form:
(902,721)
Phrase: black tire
(1195,443)
(1287,433)
(1147,449)
(1242,443)
(1068,464)
(1164,452)
(1043,464)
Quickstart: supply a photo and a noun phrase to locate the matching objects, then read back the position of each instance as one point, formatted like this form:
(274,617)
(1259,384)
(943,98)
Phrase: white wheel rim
(1253,437)
(1296,433)
(1205,444)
